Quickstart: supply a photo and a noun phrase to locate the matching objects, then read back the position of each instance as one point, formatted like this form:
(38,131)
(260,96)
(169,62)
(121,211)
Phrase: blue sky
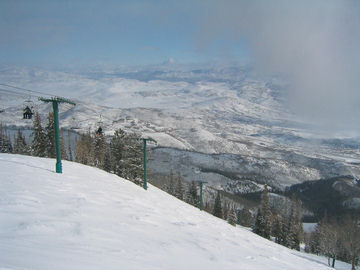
(114,32)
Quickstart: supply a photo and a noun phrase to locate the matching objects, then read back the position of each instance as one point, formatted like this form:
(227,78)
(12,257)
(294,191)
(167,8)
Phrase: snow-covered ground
(87,219)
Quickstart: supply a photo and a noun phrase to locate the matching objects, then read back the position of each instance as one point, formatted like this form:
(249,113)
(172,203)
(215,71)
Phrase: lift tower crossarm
(55,102)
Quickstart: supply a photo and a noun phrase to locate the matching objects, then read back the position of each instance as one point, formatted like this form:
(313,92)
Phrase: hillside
(336,196)
(88,219)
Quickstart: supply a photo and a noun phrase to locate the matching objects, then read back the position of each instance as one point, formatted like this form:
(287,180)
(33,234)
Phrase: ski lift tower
(55,103)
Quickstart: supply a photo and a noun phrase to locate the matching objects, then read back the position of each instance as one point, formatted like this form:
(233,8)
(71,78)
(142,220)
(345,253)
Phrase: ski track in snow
(86,218)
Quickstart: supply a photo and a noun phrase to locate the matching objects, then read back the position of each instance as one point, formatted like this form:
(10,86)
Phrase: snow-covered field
(87,219)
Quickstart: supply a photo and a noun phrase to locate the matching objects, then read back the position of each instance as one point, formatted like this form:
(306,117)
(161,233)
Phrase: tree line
(121,154)
(337,238)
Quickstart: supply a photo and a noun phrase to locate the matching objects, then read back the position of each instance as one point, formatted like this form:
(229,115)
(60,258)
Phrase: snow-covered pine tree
(232,217)
(5,142)
(263,221)
(99,149)
(295,231)
(20,146)
(133,158)
(217,211)
(277,228)
(50,136)
(171,183)
(117,151)
(70,152)
(284,235)
(107,158)
(179,190)
(38,146)
(126,155)
(192,196)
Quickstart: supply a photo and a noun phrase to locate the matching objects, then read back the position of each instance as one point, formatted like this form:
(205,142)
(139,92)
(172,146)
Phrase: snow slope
(86,218)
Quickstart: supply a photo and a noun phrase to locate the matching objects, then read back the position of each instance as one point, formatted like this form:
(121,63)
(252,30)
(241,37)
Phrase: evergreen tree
(277,229)
(217,211)
(50,136)
(179,190)
(226,209)
(20,146)
(133,158)
(192,196)
(232,218)
(126,156)
(107,159)
(99,149)
(171,184)
(70,154)
(38,146)
(295,231)
(5,142)
(263,219)
(117,152)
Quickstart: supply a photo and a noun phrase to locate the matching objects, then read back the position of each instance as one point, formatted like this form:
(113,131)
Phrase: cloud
(315,43)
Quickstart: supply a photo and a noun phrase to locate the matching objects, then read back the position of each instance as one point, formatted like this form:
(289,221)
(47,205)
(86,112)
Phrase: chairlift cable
(28,90)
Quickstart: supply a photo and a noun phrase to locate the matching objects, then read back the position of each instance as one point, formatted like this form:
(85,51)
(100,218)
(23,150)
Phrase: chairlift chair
(99,131)
(28,106)
(27,113)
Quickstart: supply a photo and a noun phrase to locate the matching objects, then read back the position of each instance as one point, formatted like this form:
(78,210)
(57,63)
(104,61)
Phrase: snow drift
(86,218)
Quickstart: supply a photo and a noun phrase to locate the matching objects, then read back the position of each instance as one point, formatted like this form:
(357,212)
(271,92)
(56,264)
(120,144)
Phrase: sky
(114,32)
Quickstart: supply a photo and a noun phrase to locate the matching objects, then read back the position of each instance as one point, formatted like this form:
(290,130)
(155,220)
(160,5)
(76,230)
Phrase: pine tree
(192,194)
(70,154)
(126,156)
(107,159)
(179,190)
(20,146)
(38,146)
(5,142)
(232,218)
(50,136)
(284,235)
(277,229)
(117,152)
(263,221)
(217,211)
(133,158)
(294,227)
(99,149)
(171,184)
(226,209)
